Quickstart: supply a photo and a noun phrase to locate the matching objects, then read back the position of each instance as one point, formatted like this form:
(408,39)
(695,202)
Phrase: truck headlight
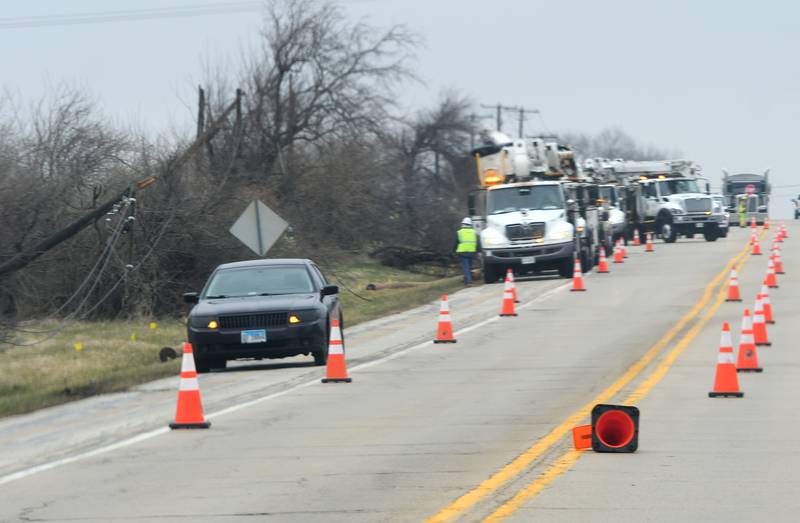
(560,233)
(492,238)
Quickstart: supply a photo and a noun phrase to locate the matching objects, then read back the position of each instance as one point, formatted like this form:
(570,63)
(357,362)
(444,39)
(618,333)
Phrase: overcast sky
(717,80)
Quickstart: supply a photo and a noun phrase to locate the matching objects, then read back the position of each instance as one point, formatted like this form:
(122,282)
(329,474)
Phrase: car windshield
(537,197)
(678,186)
(259,281)
(608,194)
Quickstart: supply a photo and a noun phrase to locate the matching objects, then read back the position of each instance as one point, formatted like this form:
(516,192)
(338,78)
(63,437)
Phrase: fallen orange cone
(336,371)
(189,412)
(614,428)
(444,331)
(733,287)
(577,277)
(508,308)
(726,383)
(748,356)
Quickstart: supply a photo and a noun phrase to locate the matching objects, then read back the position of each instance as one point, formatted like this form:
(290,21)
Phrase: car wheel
(321,353)
(202,364)
(710,235)
(490,273)
(219,363)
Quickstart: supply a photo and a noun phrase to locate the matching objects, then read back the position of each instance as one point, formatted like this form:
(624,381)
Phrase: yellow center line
(563,463)
(521,462)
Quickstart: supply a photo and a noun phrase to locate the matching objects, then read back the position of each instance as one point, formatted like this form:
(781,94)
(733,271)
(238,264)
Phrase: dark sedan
(262,309)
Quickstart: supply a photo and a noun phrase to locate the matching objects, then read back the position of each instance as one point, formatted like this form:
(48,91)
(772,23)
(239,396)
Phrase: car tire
(202,364)
(321,353)
(710,236)
(219,363)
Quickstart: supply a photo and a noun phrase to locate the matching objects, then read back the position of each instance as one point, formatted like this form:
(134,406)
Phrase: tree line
(318,136)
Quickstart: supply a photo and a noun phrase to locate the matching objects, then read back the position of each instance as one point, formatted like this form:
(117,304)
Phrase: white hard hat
(467,221)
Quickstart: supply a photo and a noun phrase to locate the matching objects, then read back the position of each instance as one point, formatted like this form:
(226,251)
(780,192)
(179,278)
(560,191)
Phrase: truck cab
(533,212)
(678,205)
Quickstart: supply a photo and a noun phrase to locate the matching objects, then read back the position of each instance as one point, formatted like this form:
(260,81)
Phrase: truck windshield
(537,197)
(678,186)
(608,194)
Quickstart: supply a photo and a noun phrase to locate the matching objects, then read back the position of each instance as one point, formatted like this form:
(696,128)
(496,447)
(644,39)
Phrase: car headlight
(675,210)
(562,232)
(492,237)
(204,322)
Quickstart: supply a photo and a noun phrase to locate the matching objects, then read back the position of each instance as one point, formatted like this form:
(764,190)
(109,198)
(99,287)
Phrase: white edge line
(234,408)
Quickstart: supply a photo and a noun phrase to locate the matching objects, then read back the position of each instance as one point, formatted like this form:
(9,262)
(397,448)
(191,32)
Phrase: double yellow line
(524,460)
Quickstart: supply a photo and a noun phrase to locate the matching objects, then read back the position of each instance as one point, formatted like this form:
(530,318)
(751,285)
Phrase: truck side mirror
(330,290)
(191,297)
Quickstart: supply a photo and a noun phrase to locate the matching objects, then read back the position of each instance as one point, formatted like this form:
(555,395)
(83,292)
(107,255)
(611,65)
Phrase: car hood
(253,304)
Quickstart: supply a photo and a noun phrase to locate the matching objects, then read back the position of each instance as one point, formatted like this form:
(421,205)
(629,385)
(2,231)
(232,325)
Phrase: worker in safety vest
(466,246)
(742,211)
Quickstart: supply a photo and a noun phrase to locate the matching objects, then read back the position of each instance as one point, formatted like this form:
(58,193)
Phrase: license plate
(698,225)
(254,336)
(528,260)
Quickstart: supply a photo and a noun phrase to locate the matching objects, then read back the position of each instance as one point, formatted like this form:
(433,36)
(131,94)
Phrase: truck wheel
(490,273)
(668,232)
(710,235)
(566,267)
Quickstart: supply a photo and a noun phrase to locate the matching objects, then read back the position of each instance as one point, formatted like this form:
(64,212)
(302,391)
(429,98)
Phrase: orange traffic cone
(577,277)
(753,238)
(602,265)
(189,412)
(771,280)
(726,383)
(756,247)
(336,370)
(648,247)
(778,261)
(784,234)
(760,325)
(764,294)
(636,241)
(508,308)
(618,257)
(510,276)
(753,223)
(766,223)
(733,287)
(748,356)
(444,331)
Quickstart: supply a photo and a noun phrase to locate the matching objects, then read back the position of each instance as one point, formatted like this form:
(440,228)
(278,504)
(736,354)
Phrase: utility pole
(499,108)
(521,119)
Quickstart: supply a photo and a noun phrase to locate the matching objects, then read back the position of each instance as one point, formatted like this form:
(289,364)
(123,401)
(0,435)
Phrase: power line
(19,22)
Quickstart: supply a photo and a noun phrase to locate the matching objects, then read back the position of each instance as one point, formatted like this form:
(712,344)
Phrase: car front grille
(525,231)
(698,204)
(246,321)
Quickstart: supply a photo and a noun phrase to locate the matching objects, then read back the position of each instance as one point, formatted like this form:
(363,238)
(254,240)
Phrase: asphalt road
(482,423)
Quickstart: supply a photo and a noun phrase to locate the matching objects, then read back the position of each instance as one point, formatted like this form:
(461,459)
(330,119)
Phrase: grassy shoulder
(89,358)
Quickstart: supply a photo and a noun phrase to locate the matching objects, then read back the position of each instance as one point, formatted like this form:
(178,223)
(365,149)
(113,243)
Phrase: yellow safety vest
(467,240)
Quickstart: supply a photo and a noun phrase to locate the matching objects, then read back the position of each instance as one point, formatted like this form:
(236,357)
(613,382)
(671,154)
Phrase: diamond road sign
(258,227)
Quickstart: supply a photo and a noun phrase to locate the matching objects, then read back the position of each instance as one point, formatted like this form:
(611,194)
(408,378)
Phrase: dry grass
(107,358)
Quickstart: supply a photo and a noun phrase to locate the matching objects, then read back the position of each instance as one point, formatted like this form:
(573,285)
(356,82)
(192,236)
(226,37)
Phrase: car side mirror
(665,199)
(330,290)
(191,297)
